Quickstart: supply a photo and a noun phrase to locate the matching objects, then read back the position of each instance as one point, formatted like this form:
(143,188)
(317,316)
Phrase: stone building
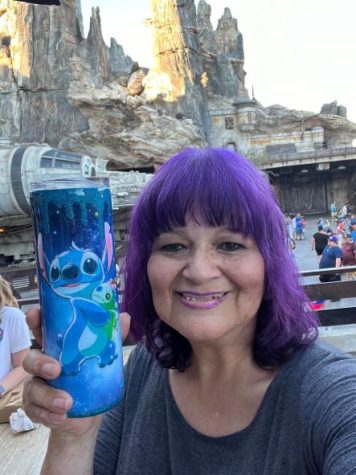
(309,157)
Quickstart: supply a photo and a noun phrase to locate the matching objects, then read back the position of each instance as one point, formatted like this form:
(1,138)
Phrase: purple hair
(220,188)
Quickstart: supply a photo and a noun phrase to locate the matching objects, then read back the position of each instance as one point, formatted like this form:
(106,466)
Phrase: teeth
(203,298)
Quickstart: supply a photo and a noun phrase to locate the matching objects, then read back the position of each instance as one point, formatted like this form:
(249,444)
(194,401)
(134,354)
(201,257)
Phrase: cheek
(158,274)
(250,275)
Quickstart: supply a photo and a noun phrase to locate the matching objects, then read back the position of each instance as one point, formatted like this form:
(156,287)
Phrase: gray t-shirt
(306,424)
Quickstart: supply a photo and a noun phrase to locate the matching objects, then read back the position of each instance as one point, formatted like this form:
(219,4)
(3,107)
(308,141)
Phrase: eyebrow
(181,232)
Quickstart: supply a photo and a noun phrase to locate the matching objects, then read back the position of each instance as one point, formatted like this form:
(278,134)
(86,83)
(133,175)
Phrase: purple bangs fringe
(219,188)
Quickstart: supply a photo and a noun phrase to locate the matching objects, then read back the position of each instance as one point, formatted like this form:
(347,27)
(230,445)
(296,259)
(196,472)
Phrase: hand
(45,404)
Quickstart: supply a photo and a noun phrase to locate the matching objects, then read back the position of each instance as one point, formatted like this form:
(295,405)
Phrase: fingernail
(49,370)
(58,417)
(60,403)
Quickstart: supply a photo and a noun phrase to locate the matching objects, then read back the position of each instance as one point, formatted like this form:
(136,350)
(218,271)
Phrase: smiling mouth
(189,297)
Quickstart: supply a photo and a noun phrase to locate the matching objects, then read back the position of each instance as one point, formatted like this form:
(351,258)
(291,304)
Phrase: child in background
(15,343)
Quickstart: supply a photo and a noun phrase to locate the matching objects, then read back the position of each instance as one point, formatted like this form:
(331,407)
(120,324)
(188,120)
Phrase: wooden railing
(24,279)
(345,312)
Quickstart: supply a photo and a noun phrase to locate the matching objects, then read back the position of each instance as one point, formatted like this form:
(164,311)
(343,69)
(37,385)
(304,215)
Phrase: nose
(70,272)
(201,266)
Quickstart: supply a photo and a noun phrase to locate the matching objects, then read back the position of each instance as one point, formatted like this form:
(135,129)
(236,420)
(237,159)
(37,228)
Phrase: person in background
(333,211)
(228,375)
(15,343)
(289,226)
(343,213)
(341,229)
(349,255)
(320,241)
(353,229)
(331,257)
(294,224)
(299,227)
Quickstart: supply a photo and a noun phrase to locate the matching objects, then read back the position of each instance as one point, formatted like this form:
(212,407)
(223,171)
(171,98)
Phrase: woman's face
(207,282)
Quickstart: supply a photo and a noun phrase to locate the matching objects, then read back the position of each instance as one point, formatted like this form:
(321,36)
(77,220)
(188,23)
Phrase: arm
(69,455)
(313,244)
(336,420)
(72,441)
(17,374)
(338,262)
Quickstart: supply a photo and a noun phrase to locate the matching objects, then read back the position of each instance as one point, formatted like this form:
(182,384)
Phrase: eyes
(230,246)
(90,266)
(71,270)
(177,248)
(54,274)
(172,248)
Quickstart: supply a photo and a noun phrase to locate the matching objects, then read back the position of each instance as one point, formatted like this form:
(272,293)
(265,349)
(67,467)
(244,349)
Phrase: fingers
(125,321)
(33,318)
(45,404)
(41,365)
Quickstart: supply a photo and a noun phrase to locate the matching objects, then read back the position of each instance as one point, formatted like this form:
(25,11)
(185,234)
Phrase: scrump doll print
(76,271)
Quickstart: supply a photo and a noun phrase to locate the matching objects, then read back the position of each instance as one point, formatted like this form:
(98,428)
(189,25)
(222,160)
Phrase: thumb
(125,321)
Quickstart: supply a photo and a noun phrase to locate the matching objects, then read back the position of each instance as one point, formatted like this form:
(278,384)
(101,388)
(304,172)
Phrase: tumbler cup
(77,284)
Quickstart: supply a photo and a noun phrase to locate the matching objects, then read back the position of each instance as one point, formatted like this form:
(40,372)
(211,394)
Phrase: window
(46,162)
(60,159)
(231,146)
(229,123)
(66,164)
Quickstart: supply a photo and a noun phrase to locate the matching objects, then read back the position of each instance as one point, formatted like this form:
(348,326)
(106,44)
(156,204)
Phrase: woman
(228,377)
(14,345)
(348,248)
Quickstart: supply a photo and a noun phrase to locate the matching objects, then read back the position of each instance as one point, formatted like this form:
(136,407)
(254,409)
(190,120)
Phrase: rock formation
(334,109)
(57,86)
(69,91)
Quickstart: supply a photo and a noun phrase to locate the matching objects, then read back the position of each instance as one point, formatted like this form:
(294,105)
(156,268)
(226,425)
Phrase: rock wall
(57,86)
(69,91)
(201,63)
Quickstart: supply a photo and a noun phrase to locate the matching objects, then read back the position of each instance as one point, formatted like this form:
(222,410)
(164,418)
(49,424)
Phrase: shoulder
(338,252)
(14,315)
(324,373)
(140,365)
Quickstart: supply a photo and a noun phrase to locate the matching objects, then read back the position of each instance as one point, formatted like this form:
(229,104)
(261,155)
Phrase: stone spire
(177,54)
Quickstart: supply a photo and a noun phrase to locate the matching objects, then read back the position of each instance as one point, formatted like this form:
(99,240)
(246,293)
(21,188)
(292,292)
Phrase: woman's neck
(221,391)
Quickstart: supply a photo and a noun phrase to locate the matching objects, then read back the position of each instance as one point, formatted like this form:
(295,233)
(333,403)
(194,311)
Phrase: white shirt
(14,336)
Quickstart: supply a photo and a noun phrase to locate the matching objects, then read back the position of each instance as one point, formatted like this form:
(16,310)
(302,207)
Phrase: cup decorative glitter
(77,284)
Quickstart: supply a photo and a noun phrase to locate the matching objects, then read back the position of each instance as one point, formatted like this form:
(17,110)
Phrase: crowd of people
(296,224)
(335,244)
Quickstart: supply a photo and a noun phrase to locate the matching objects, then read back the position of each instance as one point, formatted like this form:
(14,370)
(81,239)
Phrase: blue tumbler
(76,270)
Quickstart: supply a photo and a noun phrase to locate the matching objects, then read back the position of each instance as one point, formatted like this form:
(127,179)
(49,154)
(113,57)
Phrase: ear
(41,256)
(108,253)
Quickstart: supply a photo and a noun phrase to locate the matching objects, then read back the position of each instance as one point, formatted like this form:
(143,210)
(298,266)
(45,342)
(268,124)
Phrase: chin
(196,332)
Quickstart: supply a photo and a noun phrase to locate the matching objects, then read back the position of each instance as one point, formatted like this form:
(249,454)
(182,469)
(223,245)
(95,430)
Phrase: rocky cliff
(69,91)
(57,86)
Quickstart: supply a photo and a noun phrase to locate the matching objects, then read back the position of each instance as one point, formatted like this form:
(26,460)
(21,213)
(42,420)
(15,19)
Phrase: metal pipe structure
(23,164)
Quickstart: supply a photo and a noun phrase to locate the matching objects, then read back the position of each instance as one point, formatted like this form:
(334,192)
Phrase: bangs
(211,190)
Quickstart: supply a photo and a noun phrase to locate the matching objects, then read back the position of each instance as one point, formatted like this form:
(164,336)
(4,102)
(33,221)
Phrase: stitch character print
(79,276)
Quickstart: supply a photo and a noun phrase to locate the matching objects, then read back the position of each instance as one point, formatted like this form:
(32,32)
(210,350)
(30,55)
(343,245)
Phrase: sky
(298,53)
